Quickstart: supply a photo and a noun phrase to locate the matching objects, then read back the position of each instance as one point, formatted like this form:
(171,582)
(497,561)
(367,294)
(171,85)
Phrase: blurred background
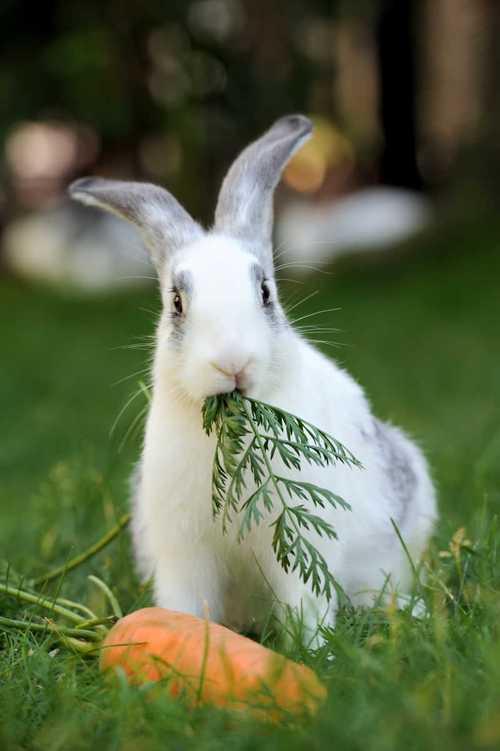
(403,94)
(400,179)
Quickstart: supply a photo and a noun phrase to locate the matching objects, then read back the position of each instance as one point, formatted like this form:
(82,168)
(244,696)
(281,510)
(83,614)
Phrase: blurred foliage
(209,73)
(171,91)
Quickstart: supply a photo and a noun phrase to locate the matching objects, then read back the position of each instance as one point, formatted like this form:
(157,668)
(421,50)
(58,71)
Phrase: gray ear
(245,205)
(165,225)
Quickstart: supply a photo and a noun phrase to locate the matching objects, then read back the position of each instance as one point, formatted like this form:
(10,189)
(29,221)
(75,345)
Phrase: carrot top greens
(250,434)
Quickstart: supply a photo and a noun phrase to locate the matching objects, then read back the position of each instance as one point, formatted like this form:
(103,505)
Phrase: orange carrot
(208,663)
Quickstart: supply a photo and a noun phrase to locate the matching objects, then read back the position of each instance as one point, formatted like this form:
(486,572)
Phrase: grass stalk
(78,560)
(41,601)
(48,626)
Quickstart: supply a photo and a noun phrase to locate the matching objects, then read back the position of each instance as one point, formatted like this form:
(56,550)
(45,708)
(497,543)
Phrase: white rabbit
(222,327)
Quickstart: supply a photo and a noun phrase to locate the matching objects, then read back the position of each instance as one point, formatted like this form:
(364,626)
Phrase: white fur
(175,536)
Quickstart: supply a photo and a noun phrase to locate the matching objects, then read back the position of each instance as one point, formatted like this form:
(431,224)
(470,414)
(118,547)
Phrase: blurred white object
(78,248)
(370,219)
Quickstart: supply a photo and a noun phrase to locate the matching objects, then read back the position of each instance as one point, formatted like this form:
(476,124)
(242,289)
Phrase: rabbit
(223,328)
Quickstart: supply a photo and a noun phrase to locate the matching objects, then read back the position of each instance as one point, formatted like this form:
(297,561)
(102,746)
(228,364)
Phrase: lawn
(421,333)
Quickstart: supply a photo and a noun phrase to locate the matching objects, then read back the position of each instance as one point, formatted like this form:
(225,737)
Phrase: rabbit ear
(165,225)
(245,205)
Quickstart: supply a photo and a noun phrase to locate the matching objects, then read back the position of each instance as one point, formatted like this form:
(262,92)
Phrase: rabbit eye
(178,303)
(266,293)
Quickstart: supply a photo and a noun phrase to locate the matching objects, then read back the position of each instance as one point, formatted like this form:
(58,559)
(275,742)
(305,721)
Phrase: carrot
(208,663)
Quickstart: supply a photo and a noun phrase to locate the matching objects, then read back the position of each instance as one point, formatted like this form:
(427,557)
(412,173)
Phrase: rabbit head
(221,322)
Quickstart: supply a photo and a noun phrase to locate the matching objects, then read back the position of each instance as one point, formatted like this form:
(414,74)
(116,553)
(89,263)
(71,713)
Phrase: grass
(421,334)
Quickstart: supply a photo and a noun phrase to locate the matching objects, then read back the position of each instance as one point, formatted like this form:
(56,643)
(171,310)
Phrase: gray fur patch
(257,273)
(400,473)
(183,281)
(178,330)
(177,334)
(273,312)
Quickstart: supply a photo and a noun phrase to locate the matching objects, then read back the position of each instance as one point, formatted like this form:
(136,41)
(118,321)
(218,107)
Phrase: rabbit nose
(231,367)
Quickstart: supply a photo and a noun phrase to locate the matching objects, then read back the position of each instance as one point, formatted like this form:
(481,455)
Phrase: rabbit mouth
(233,381)
(241,384)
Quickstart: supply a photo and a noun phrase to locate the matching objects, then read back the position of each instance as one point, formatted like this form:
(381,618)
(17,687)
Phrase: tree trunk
(397,81)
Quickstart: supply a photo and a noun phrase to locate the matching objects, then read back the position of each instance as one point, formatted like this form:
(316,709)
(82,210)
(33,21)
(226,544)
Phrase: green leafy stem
(250,434)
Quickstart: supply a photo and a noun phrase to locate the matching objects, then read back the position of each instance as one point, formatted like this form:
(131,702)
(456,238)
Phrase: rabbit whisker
(122,411)
(302,301)
(316,313)
(326,342)
(132,375)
